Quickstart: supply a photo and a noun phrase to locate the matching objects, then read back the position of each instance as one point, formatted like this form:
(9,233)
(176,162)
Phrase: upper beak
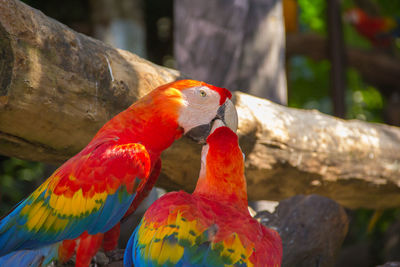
(226,113)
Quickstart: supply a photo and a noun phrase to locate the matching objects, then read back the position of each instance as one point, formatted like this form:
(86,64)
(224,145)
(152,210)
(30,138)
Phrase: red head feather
(184,84)
(223,92)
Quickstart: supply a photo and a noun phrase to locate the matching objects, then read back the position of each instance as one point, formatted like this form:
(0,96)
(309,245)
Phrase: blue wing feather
(33,258)
(129,251)
(15,236)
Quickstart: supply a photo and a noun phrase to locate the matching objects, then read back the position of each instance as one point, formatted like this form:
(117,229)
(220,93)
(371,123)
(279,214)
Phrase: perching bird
(211,227)
(380,31)
(90,193)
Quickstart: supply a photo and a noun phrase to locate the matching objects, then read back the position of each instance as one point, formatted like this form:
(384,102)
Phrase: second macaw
(89,194)
(211,227)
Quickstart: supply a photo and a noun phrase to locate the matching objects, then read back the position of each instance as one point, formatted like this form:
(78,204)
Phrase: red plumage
(380,31)
(212,226)
(86,197)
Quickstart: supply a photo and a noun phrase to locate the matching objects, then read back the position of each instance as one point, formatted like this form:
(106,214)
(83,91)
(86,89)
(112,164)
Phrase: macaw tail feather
(111,237)
(87,248)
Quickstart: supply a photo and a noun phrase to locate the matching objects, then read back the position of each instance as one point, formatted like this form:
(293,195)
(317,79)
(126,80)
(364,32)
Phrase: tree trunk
(337,58)
(239,45)
(58,87)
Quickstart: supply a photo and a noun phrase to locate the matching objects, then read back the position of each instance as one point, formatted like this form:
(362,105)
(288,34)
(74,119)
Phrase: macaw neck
(149,125)
(224,183)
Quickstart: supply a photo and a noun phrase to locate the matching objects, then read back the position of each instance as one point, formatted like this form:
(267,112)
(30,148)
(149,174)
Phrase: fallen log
(58,87)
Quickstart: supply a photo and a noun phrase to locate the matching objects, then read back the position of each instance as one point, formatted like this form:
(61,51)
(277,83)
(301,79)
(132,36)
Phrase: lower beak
(226,113)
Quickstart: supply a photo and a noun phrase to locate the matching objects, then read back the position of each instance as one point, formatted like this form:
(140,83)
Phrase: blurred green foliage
(308,80)
(387,7)
(309,89)
(17,179)
(364,102)
(308,83)
(312,15)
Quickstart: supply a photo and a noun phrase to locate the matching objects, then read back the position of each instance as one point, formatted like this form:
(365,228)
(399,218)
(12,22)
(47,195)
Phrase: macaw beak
(226,113)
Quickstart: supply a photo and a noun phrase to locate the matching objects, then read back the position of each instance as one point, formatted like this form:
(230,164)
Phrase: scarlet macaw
(89,194)
(212,226)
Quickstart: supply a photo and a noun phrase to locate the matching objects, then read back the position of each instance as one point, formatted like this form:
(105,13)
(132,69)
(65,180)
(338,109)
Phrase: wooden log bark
(58,87)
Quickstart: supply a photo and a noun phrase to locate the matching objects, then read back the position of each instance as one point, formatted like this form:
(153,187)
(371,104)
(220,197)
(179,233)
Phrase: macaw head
(222,141)
(202,104)
(222,168)
(353,15)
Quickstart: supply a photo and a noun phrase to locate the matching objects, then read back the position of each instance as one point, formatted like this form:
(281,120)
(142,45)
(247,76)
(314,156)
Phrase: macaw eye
(203,93)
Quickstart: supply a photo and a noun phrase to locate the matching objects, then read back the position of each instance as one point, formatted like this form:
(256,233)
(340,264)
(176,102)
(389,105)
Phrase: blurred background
(337,57)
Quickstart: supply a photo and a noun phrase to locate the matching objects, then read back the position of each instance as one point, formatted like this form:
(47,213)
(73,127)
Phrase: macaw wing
(111,237)
(90,192)
(182,240)
(144,189)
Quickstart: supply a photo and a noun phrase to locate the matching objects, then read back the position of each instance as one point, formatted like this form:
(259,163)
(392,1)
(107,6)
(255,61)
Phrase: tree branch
(376,67)
(58,87)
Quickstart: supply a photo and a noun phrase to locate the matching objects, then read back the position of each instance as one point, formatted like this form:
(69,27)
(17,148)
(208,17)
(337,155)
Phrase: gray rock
(358,254)
(312,229)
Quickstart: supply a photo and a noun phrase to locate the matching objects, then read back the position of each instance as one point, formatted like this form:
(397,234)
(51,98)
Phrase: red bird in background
(380,31)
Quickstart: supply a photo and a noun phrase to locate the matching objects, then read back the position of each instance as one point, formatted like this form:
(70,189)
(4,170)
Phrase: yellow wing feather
(153,237)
